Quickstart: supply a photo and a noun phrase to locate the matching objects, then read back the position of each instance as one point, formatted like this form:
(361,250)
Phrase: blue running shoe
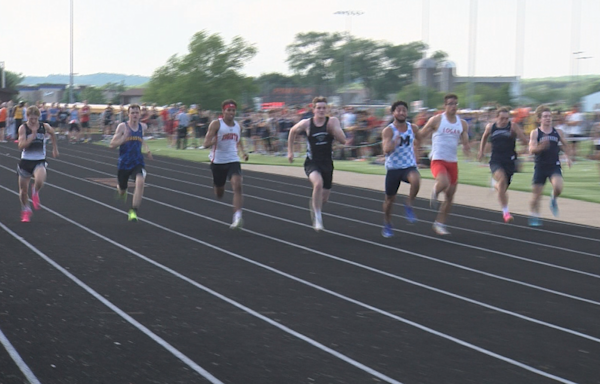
(535,221)
(410,214)
(553,206)
(387,231)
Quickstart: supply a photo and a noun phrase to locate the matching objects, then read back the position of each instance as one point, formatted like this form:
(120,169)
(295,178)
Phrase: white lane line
(403,231)
(186,279)
(303,186)
(322,289)
(487,274)
(484,233)
(16,357)
(189,362)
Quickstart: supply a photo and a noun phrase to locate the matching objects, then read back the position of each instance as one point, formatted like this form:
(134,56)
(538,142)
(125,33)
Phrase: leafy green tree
(413,92)
(398,68)
(93,95)
(208,74)
(115,89)
(13,79)
(382,67)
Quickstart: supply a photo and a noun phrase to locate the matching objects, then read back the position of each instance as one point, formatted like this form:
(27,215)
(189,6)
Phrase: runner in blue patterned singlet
(543,143)
(129,137)
(398,143)
(320,132)
(32,141)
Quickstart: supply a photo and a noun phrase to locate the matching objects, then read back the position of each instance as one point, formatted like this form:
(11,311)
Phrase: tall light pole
(520,46)
(577,80)
(425,39)
(472,46)
(575,33)
(71,72)
(347,63)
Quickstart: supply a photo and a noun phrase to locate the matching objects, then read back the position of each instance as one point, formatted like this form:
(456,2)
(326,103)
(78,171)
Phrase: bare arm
(211,135)
(465,138)
(120,136)
(52,134)
(25,142)
(299,127)
(432,124)
(516,128)
(144,144)
(534,146)
(335,129)
(387,144)
(565,147)
(483,142)
(240,147)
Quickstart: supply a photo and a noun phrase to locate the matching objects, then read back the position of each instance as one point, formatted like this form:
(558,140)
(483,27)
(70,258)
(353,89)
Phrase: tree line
(324,62)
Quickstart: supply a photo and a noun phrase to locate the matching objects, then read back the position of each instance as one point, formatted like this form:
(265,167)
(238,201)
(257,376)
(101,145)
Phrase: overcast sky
(136,37)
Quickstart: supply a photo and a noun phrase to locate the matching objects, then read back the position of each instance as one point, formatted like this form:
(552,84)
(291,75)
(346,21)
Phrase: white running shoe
(238,223)
(318,225)
(440,228)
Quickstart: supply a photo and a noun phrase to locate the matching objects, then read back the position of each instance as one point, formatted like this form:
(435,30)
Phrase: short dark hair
(133,106)
(319,99)
(228,101)
(450,96)
(397,103)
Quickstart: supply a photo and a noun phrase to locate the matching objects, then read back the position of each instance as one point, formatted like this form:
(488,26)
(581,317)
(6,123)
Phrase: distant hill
(96,79)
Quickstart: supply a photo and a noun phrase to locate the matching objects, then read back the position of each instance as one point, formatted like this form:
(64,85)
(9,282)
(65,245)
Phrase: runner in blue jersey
(320,132)
(129,137)
(503,161)
(399,142)
(543,143)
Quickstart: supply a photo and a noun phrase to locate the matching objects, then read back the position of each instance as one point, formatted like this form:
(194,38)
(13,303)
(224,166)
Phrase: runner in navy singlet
(320,130)
(543,143)
(503,162)
(32,142)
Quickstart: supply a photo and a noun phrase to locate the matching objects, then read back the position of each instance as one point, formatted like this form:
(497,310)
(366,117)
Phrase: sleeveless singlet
(444,141)
(319,142)
(37,148)
(503,144)
(404,155)
(130,152)
(549,157)
(226,149)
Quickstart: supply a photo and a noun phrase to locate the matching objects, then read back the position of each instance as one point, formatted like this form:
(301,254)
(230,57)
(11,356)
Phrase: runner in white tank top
(223,139)
(226,151)
(447,130)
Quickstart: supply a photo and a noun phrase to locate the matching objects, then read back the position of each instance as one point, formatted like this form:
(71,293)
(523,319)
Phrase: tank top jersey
(37,148)
(549,157)
(319,142)
(503,144)
(130,152)
(404,155)
(226,149)
(444,141)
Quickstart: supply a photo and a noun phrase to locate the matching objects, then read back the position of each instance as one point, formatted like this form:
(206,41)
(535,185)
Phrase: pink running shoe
(26,216)
(35,199)
(507,217)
